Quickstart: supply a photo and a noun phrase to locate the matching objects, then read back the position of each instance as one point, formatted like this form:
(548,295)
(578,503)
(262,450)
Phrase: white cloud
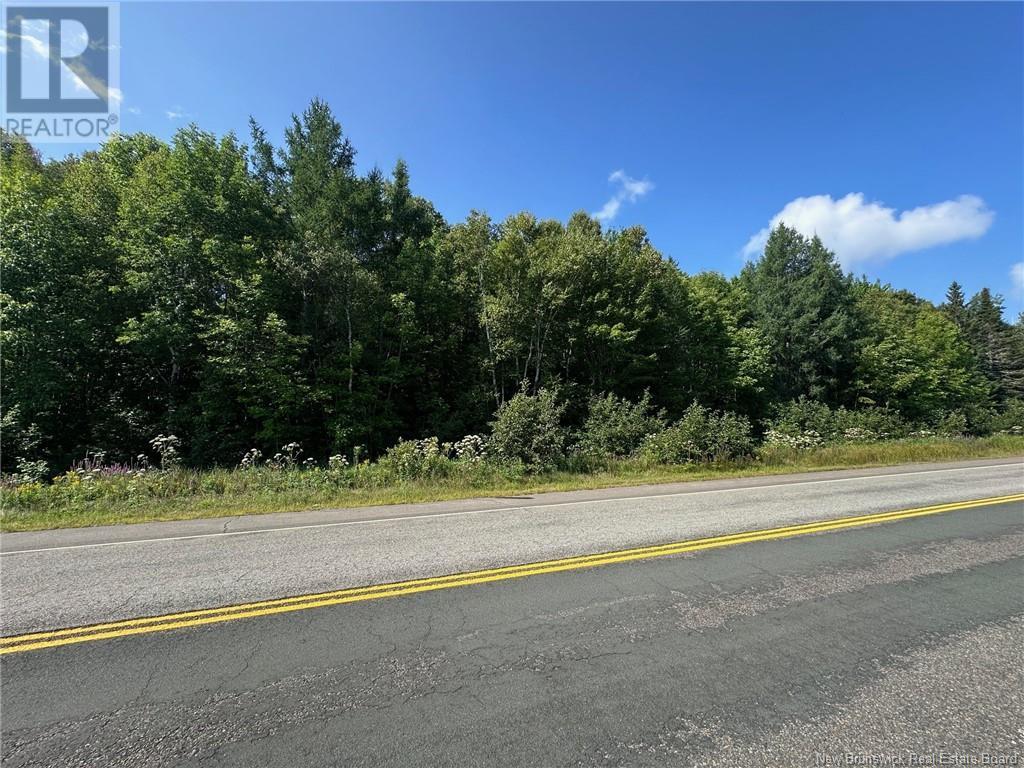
(175,113)
(630,190)
(1017,277)
(35,35)
(134,110)
(77,82)
(33,32)
(860,231)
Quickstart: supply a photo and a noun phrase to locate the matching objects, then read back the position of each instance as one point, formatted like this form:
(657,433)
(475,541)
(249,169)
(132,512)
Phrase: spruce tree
(802,302)
(955,306)
(994,344)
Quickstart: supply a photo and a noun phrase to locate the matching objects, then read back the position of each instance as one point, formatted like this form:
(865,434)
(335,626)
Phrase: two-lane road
(900,634)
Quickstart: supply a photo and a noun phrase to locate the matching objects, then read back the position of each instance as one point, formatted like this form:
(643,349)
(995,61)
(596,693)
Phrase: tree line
(250,295)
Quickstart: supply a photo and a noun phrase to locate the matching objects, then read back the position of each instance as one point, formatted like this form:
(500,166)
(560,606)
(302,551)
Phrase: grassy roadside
(190,494)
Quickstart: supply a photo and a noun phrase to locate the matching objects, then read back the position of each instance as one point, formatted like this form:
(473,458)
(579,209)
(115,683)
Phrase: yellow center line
(59,637)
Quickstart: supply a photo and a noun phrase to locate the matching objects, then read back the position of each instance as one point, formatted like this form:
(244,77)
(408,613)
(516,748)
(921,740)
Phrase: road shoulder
(204,527)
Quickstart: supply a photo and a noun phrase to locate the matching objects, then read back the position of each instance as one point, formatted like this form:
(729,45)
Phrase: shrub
(867,424)
(30,471)
(616,427)
(807,423)
(1011,419)
(859,435)
(472,449)
(800,417)
(953,424)
(20,442)
(427,458)
(528,430)
(802,441)
(978,420)
(415,459)
(700,435)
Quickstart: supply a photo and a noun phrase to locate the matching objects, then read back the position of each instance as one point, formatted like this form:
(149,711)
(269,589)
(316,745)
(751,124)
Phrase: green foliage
(742,355)
(953,424)
(616,427)
(914,359)
(430,459)
(102,497)
(416,459)
(1010,420)
(700,435)
(955,307)
(999,347)
(19,442)
(980,419)
(806,423)
(803,305)
(527,430)
(244,297)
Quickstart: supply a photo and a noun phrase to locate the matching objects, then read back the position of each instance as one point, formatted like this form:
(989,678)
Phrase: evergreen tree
(994,343)
(247,297)
(801,302)
(955,307)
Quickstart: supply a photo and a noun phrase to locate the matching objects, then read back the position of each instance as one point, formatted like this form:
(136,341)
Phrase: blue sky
(717,116)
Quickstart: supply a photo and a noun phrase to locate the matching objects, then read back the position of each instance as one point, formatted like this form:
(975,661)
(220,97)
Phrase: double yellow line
(52,639)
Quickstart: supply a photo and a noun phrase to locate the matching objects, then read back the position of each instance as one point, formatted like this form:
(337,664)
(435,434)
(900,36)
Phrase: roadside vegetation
(202,327)
(529,451)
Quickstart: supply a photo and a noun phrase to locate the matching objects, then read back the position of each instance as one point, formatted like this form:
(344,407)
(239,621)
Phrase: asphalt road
(899,638)
(65,578)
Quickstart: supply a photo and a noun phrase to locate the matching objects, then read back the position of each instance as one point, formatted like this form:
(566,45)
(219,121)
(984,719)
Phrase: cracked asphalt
(884,642)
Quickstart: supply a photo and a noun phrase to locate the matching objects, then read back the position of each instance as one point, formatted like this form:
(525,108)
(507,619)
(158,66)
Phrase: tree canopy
(244,296)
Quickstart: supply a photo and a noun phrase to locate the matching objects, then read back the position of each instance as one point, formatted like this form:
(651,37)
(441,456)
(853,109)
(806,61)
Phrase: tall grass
(82,499)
